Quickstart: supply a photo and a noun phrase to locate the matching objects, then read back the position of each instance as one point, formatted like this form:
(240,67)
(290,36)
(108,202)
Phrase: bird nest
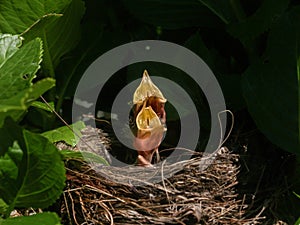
(189,195)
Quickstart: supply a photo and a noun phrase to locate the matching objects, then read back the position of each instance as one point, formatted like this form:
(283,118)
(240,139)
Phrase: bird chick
(150,120)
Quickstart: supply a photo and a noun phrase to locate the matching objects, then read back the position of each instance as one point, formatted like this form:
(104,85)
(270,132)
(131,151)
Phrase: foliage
(18,90)
(55,22)
(83,156)
(251,46)
(65,134)
(32,173)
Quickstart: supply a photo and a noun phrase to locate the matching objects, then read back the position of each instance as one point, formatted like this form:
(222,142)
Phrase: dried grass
(186,196)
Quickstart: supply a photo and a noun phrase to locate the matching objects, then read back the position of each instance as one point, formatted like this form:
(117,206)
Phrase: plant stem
(47,62)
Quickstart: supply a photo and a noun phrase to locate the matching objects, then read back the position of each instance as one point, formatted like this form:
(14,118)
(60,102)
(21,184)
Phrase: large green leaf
(260,21)
(56,22)
(64,34)
(271,87)
(18,67)
(97,32)
(32,173)
(16,16)
(65,134)
(46,218)
(60,34)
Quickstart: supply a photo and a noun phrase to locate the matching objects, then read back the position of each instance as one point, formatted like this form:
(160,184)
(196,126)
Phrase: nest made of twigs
(186,196)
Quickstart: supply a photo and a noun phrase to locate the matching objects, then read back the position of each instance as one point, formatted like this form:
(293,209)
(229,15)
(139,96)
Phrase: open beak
(147,119)
(150,118)
(147,89)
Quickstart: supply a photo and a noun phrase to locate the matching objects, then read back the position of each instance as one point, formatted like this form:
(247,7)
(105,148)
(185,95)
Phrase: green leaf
(25,97)
(176,14)
(65,134)
(84,156)
(44,106)
(32,173)
(60,33)
(297,195)
(16,16)
(16,105)
(19,67)
(298,221)
(3,207)
(56,22)
(46,218)
(270,85)
(259,22)
(90,47)
(64,34)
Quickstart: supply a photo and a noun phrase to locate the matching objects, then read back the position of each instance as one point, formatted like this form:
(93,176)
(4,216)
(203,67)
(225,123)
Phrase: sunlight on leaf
(18,70)
(18,67)
(56,22)
(9,44)
(44,106)
(17,15)
(89,157)
(65,134)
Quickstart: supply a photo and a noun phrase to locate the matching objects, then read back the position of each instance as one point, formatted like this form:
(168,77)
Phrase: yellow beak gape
(147,89)
(147,119)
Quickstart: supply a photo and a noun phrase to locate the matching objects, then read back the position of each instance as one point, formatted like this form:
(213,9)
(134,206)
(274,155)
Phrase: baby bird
(149,118)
